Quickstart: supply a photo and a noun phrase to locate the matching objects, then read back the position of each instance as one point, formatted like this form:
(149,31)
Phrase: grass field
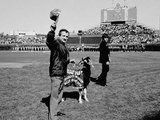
(133,91)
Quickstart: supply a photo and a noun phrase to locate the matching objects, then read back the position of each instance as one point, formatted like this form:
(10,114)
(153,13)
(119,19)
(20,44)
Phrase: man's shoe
(99,83)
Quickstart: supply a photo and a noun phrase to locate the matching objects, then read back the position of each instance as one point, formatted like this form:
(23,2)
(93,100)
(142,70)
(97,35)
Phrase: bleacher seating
(120,33)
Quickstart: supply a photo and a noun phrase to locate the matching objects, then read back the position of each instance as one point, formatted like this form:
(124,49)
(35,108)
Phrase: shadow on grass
(96,81)
(71,95)
(46,100)
(152,116)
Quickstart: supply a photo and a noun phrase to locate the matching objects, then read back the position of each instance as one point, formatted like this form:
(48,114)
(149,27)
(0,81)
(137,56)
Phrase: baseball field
(133,91)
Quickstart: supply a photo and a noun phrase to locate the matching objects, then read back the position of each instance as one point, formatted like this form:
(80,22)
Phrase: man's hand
(54,23)
(107,63)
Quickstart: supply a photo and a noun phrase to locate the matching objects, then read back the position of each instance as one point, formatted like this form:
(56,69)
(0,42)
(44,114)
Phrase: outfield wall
(152,47)
(26,47)
(86,47)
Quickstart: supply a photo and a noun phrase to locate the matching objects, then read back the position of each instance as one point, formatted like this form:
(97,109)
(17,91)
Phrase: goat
(80,79)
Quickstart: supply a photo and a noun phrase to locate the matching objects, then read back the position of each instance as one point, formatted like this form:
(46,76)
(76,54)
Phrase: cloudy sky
(33,15)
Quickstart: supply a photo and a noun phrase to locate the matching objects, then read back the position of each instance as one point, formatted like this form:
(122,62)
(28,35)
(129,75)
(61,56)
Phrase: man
(104,59)
(59,59)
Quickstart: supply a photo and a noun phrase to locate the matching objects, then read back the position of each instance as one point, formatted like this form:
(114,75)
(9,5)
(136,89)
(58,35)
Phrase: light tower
(121,2)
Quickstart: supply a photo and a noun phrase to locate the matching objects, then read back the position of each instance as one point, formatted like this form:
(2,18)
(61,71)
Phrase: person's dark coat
(59,56)
(104,52)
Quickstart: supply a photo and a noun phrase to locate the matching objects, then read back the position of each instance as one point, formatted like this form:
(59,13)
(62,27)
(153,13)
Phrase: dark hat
(105,36)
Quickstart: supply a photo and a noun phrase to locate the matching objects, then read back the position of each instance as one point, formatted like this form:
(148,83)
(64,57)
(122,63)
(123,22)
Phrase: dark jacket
(59,56)
(104,52)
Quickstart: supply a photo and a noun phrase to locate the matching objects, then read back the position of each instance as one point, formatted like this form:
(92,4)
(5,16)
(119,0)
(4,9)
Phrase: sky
(33,15)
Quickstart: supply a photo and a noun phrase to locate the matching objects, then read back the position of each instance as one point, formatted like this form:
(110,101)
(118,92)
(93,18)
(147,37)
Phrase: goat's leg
(80,97)
(85,95)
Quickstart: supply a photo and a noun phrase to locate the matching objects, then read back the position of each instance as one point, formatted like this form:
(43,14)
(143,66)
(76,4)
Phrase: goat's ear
(88,58)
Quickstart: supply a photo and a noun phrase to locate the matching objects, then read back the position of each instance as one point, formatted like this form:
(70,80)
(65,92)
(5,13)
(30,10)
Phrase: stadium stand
(125,32)
(120,34)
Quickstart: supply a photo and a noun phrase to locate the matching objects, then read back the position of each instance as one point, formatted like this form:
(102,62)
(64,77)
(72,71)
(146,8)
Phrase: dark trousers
(102,79)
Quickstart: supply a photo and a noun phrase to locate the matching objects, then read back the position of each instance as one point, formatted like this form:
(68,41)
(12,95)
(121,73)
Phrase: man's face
(64,36)
(106,39)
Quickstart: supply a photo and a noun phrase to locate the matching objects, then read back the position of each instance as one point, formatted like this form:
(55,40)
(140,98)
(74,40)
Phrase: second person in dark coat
(104,59)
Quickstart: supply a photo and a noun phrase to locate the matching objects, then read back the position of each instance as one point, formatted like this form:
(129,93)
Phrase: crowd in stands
(126,33)
(119,33)
(13,39)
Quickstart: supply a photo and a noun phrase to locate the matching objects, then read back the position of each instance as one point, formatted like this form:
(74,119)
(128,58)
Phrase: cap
(54,14)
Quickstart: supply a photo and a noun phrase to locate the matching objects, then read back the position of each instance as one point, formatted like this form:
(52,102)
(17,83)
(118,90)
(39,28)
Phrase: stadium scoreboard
(119,14)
